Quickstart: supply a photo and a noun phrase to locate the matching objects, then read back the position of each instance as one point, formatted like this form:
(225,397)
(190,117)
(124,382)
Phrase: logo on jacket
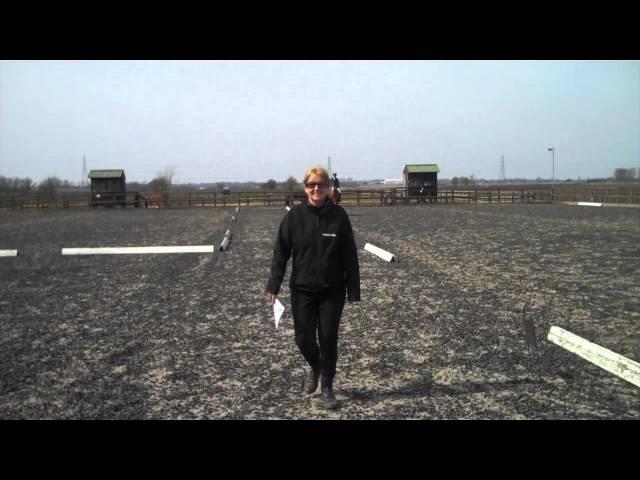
(328,234)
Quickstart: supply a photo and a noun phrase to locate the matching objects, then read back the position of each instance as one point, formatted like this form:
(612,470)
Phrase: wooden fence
(381,197)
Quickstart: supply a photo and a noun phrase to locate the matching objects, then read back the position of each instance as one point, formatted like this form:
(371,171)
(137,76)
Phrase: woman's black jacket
(324,251)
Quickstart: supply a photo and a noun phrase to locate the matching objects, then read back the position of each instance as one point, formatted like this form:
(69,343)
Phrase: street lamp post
(553,165)
(553,169)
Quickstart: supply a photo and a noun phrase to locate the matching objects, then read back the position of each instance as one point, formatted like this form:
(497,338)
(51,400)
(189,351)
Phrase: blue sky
(215,121)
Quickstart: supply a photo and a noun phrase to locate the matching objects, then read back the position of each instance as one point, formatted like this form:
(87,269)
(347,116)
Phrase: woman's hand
(271,297)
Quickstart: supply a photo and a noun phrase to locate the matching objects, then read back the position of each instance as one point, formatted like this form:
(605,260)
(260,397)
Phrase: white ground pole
(288,208)
(225,241)
(389,257)
(610,361)
(8,253)
(136,250)
(590,204)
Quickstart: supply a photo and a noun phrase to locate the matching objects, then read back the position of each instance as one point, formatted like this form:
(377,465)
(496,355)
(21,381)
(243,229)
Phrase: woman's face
(317,189)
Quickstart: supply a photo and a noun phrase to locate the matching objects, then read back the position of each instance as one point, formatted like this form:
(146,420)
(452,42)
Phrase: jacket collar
(321,209)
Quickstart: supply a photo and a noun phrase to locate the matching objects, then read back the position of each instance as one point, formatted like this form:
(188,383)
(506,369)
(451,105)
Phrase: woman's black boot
(329,401)
(311,381)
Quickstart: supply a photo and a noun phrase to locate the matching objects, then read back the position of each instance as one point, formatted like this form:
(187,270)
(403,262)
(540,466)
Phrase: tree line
(625,174)
(288,185)
(163,182)
(48,188)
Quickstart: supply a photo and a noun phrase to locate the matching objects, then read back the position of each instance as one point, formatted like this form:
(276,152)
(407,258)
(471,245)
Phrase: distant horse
(336,194)
(155,199)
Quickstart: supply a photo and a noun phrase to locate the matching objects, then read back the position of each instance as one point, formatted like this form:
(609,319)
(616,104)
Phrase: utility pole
(330,173)
(502,172)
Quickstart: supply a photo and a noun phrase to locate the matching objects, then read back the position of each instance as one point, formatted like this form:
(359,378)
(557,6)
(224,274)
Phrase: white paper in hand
(278,308)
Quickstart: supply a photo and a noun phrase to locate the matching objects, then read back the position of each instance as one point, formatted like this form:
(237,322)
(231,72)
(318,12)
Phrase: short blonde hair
(316,170)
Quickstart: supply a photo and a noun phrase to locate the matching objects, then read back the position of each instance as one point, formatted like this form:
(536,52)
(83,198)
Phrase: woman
(325,269)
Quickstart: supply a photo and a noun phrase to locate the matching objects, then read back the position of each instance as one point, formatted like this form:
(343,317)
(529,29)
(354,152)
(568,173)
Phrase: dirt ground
(438,334)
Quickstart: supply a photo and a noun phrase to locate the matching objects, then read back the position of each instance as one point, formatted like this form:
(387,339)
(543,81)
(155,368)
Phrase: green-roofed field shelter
(421,180)
(108,188)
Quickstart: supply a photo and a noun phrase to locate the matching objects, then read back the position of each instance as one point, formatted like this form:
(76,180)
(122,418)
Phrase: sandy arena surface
(438,334)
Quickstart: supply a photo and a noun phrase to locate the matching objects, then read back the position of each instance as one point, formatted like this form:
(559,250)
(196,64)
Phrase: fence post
(489,196)
(358,196)
(499,198)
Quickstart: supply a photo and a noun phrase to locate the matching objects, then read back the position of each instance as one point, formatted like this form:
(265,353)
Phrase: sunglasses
(313,185)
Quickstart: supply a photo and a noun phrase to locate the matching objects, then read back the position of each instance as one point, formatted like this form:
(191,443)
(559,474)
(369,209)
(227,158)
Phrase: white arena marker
(8,253)
(288,208)
(590,204)
(224,244)
(389,257)
(135,250)
(610,361)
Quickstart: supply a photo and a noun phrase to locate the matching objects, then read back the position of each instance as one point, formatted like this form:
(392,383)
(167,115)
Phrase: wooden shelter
(421,180)
(108,188)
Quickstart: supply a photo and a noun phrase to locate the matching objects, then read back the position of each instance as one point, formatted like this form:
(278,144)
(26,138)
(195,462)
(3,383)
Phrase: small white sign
(278,309)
